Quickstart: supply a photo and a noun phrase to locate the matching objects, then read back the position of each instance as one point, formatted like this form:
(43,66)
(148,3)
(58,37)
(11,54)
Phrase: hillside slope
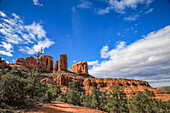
(164,89)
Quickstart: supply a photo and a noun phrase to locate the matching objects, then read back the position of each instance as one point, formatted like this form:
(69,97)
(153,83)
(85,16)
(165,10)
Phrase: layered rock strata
(80,68)
(45,63)
(63,63)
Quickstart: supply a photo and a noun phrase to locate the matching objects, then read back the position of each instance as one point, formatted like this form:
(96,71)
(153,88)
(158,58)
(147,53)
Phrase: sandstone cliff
(63,63)
(130,86)
(80,68)
(45,63)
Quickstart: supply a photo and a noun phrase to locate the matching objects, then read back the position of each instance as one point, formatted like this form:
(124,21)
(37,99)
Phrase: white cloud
(149,11)
(6,53)
(28,38)
(120,6)
(104,11)
(36,2)
(131,18)
(85,5)
(41,44)
(104,52)
(93,62)
(8,47)
(74,60)
(16,16)
(146,59)
(2,14)
(36,29)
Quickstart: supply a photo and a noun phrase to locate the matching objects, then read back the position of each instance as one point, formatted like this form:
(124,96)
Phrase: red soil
(61,107)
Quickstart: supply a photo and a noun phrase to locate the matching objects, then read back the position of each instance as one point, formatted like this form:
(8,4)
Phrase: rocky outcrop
(30,62)
(130,86)
(63,63)
(20,61)
(56,67)
(45,63)
(3,63)
(80,68)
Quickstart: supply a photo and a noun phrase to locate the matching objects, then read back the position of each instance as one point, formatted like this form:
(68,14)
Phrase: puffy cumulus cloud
(36,29)
(36,2)
(92,63)
(28,38)
(146,59)
(104,52)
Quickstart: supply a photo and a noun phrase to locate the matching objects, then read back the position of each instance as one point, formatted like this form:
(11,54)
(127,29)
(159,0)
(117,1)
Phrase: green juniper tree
(143,102)
(116,100)
(73,95)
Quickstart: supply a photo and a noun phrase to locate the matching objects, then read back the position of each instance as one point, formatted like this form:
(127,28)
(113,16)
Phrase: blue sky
(118,38)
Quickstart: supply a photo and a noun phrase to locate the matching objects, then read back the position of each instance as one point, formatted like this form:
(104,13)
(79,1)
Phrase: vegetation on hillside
(164,89)
(20,90)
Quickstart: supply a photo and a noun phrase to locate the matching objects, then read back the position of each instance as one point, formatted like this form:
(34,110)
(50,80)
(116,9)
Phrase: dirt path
(61,107)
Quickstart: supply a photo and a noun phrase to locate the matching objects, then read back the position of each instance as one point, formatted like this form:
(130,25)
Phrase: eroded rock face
(80,68)
(63,63)
(20,61)
(45,62)
(130,86)
(30,62)
(56,67)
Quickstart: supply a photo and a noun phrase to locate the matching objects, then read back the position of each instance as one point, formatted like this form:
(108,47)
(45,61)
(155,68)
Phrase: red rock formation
(3,63)
(80,68)
(45,62)
(30,62)
(130,86)
(20,61)
(63,63)
(56,67)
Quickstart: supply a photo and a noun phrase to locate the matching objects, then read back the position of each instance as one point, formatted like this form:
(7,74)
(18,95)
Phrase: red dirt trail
(61,107)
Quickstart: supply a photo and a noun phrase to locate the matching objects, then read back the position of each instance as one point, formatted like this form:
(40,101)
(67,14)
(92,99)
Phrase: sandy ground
(61,107)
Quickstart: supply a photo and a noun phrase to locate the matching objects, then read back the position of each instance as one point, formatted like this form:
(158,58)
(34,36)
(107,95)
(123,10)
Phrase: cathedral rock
(80,68)
(45,63)
(63,63)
